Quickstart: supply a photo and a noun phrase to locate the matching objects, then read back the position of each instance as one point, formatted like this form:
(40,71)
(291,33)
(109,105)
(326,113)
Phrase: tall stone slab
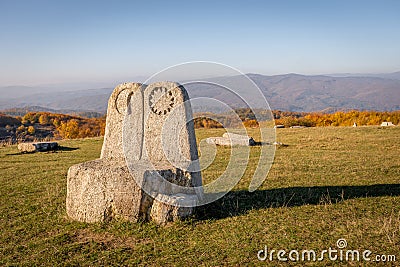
(122,96)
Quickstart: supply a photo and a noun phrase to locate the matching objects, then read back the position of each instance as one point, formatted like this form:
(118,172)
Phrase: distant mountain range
(316,93)
(79,100)
(15,112)
(290,92)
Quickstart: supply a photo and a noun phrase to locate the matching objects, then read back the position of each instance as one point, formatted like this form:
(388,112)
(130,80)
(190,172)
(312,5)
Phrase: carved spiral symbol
(161,100)
(341,243)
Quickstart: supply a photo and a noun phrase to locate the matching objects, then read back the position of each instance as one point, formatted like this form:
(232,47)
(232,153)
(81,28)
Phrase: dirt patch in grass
(106,239)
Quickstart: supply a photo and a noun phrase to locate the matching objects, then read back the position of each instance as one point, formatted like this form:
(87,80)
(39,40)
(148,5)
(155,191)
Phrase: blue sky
(94,41)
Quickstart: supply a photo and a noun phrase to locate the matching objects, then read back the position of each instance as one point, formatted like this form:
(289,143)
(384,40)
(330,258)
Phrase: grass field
(327,184)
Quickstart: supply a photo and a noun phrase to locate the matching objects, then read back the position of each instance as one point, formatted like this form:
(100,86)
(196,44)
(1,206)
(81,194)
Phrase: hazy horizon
(77,85)
(47,42)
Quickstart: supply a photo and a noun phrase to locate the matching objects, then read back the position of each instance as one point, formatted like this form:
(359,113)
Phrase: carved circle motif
(122,99)
(161,100)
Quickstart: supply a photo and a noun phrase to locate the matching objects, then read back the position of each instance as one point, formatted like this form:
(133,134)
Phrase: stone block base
(100,190)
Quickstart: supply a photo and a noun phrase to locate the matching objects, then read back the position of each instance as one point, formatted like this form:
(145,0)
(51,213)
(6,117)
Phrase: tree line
(288,118)
(45,124)
(341,118)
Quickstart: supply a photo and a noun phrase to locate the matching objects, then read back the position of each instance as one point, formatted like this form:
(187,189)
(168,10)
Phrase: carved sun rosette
(161,100)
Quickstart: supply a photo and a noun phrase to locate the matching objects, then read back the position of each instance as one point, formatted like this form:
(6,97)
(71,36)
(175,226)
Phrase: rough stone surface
(169,135)
(100,190)
(238,139)
(116,110)
(231,139)
(37,147)
(145,171)
(162,212)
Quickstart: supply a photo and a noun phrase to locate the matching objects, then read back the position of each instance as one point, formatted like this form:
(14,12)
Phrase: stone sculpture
(148,167)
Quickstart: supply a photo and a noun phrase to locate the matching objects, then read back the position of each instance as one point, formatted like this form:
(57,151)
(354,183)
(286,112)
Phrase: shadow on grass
(240,202)
(58,149)
(277,144)
(65,148)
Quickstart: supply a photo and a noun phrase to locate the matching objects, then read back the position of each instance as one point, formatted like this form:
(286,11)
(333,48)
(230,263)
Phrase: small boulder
(231,139)
(37,147)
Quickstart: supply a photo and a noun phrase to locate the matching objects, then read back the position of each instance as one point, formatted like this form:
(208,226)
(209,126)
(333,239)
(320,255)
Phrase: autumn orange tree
(251,123)
(354,116)
(204,122)
(66,126)
(76,128)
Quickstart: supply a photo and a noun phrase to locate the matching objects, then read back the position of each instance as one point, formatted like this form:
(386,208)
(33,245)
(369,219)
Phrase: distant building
(355,124)
(387,123)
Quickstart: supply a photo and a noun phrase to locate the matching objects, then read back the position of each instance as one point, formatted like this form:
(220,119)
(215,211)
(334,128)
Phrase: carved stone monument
(148,167)
(231,139)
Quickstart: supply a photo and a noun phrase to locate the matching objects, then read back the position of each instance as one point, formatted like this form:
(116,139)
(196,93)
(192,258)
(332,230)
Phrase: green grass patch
(328,183)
